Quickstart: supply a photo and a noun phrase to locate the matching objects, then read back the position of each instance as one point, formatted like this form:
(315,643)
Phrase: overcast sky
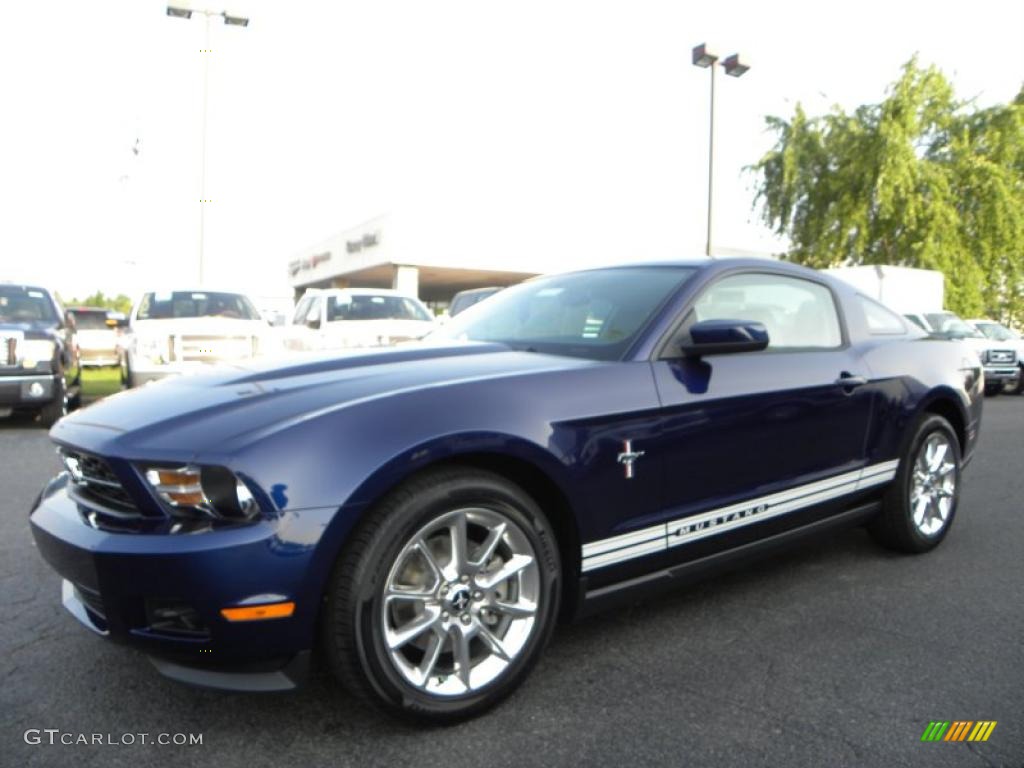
(549,133)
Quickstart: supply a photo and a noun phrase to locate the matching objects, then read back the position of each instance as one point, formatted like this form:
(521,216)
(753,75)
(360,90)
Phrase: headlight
(36,350)
(156,349)
(211,491)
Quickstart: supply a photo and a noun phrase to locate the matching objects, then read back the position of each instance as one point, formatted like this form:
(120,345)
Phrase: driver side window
(798,314)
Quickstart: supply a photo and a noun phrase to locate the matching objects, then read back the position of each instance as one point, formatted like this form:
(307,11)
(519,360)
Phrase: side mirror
(720,337)
(313,322)
(69,320)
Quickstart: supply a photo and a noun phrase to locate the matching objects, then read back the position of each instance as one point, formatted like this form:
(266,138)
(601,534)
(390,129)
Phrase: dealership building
(394,252)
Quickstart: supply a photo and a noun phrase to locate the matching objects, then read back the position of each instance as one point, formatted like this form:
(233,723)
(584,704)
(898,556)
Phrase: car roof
(357,292)
(207,289)
(716,265)
(26,287)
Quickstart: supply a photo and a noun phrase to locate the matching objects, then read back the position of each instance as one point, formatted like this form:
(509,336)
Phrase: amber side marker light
(258,612)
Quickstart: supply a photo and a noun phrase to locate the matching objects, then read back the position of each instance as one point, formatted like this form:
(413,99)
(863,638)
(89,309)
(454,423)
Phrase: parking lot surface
(835,654)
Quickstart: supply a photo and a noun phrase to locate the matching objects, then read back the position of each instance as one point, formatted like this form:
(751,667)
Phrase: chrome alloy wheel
(460,601)
(933,484)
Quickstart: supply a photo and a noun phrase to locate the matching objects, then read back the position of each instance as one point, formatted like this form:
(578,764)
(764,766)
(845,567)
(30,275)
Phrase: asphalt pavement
(835,654)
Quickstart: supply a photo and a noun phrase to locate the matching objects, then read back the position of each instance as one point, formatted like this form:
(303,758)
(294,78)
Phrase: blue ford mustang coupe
(424,515)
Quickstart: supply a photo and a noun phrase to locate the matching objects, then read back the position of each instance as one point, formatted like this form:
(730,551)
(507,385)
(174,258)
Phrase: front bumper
(1001,373)
(144,371)
(114,583)
(26,390)
(98,358)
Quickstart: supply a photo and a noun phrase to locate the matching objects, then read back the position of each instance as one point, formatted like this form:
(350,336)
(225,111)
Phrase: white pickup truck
(345,318)
(1000,334)
(183,331)
(999,359)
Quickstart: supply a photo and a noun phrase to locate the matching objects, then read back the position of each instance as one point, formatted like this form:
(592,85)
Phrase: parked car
(39,364)
(342,318)
(997,332)
(463,300)
(426,513)
(999,359)
(99,335)
(184,331)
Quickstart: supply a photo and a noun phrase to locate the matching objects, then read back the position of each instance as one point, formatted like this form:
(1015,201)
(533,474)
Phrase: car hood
(981,345)
(200,326)
(231,406)
(371,330)
(96,337)
(30,330)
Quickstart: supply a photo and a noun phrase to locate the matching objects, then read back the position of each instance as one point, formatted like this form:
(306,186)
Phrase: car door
(70,359)
(758,436)
(303,332)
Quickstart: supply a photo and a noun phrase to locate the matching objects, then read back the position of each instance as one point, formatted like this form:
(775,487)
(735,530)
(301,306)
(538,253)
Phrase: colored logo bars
(958,730)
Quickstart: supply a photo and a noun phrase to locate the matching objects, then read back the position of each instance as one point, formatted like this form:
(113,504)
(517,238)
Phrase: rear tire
(919,507)
(431,629)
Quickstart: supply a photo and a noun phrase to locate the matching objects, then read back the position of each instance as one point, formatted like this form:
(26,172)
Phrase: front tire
(919,507)
(57,408)
(1017,387)
(444,597)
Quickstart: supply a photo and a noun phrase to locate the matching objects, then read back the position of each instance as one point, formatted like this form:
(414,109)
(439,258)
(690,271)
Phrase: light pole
(183,11)
(704,58)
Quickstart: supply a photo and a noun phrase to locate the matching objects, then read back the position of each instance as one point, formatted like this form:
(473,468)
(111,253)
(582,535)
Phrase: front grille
(93,480)
(8,350)
(209,349)
(1002,356)
(91,599)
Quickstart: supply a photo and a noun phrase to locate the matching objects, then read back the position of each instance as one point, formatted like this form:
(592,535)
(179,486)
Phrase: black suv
(39,369)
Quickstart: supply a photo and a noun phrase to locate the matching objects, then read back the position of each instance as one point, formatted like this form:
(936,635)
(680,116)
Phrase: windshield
(595,314)
(951,326)
(375,307)
(90,321)
(179,304)
(19,304)
(997,332)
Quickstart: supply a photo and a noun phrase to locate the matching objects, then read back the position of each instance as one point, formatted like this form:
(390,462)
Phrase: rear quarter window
(881,320)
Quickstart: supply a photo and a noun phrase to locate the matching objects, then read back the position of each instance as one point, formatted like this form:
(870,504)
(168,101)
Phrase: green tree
(919,179)
(119,303)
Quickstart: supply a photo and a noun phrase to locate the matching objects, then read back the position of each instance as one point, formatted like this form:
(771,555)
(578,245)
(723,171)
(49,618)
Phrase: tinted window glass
(179,304)
(918,322)
(799,314)
(595,314)
(301,309)
(90,321)
(25,305)
(881,320)
(952,327)
(996,332)
(370,307)
(467,299)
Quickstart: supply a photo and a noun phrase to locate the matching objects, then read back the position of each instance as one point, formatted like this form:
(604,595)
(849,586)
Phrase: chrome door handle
(849,382)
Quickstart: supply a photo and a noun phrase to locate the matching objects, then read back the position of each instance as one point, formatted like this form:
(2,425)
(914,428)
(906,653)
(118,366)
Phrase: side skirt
(603,598)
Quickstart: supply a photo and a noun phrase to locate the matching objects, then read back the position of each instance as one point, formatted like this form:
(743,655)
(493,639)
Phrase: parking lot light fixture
(734,67)
(702,57)
(182,11)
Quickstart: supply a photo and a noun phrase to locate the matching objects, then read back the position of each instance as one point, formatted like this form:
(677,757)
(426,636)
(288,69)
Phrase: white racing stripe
(657,538)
